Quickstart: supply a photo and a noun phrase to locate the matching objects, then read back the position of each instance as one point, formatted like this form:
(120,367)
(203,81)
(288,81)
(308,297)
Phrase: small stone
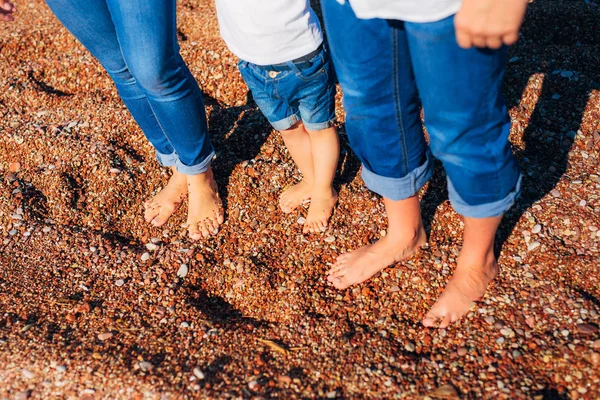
(533,245)
(301,220)
(490,320)
(565,332)
(284,379)
(596,345)
(27,374)
(444,392)
(13,232)
(151,246)
(271,208)
(330,239)
(182,271)
(46,229)
(331,395)
(119,282)
(105,336)
(556,96)
(198,373)
(462,351)
(96,356)
(593,228)
(24,395)
(555,193)
(409,346)
(14,166)
(253,385)
(61,368)
(500,340)
(587,329)
(114,170)
(566,74)
(145,256)
(507,332)
(184,324)
(536,229)
(145,366)
(514,59)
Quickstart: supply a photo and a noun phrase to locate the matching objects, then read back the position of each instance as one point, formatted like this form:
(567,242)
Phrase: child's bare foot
(205,210)
(362,264)
(468,284)
(294,196)
(321,208)
(165,203)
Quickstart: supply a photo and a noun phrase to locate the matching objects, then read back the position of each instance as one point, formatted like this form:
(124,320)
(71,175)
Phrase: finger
(463,39)
(493,42)
(510,38)
(478,41)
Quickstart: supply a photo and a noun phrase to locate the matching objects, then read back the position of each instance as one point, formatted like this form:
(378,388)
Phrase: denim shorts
(290,92)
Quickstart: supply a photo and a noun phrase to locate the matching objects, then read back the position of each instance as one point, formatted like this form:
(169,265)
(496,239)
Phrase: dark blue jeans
(136,42)
(387,70)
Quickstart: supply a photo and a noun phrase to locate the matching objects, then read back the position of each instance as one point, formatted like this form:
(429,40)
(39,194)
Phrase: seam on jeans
(497,162)
(397,106)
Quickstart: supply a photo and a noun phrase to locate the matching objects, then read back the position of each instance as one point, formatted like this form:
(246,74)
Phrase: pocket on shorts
(318,68)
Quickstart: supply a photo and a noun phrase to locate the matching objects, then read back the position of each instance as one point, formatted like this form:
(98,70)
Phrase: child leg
(325,148)
(298,143)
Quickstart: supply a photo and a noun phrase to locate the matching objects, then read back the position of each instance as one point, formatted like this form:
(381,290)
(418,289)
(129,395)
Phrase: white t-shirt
(405,10)
(266,32)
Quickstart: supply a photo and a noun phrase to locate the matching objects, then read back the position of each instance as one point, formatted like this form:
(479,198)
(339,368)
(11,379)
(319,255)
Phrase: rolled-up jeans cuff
(488,210)
(399,188)
(167,160)
(197,169)
(172,160)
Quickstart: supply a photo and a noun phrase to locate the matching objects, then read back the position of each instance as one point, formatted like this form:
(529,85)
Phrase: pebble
(182,271)
(566,74)
(596,345)
(24,395)
(27,374)
(555,193)
(331,395)
(198,373)
(301,220)
(184,324)
(330,239)
(13,232)
(587,329)
(145,366)
(536,229)
(489,319)
(119,282)
(46,229)
(61,368)
(253,385)
(514,59)
(151,246)
(105,336)
(565,332)
(115,170)
(462,351)
(409,346)
(507,332)
(533,245)
(145,256)
(556,96)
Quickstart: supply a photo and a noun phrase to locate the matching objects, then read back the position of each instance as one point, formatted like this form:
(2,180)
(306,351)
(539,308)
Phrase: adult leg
(373,66)
(92,24)
(147,34)
(468,126)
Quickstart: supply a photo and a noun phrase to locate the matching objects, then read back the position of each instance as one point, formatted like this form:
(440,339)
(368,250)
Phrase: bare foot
(468,284)
(321,207)
(205,210)
(294,196)
(362,264)
(165,203)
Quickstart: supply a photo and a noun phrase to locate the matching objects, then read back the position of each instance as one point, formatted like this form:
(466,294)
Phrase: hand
(6,10)
(489,23)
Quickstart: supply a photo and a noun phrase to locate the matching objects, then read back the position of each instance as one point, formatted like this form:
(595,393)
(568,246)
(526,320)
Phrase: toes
(163,216)
(194,232)
(342,258)
(445,322)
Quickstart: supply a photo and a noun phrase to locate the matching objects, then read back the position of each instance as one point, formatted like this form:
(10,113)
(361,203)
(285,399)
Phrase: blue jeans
(136,42)
(387,70)
(287,93)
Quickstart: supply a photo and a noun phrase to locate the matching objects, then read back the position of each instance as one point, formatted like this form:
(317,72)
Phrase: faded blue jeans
(387,70)
(136,42)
